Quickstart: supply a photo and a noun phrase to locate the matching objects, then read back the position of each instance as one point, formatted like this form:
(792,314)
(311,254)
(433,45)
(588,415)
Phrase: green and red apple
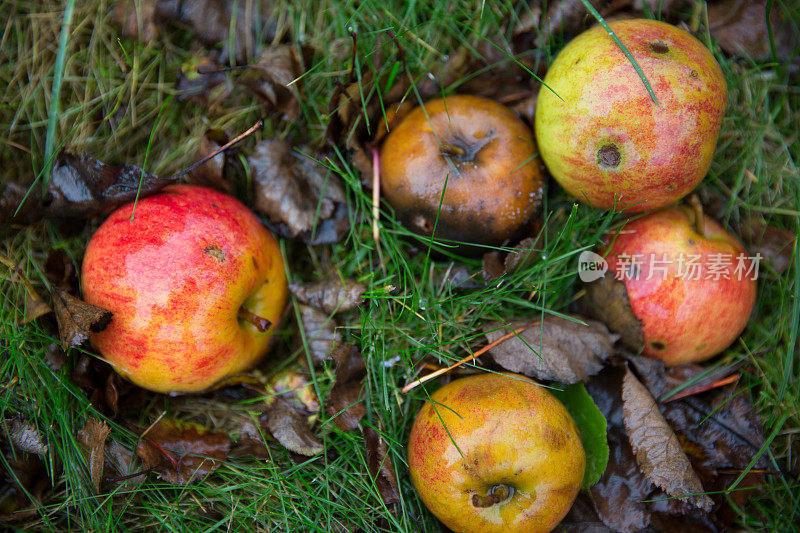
(602,136)
(196,285)
(496,452)
(691,284)
(465,166)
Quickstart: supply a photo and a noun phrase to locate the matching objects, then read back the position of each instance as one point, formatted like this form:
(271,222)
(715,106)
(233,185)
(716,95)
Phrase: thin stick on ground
(376,193)
(468,358)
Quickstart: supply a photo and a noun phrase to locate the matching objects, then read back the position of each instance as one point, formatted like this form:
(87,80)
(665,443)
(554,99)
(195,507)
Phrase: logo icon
(591,266)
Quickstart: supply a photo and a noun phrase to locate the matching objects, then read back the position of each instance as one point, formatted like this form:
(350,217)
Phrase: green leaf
(592,426)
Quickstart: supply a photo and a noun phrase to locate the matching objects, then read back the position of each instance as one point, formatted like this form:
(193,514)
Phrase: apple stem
(497,494)
(453,151)
(699,222)
(261,323)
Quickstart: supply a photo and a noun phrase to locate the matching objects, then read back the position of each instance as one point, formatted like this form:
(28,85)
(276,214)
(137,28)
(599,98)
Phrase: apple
(196,285)
(496,452)
(690,283)
(601,135)
(486,156)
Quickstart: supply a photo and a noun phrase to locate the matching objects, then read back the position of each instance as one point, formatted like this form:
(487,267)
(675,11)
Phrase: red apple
(195,282)
(601,135)
(486,156)
(692,288)
(496,452)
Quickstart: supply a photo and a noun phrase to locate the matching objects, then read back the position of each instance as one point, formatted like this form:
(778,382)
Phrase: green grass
(117,101)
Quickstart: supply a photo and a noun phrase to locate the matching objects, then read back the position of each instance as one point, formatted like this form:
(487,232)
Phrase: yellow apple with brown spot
(462,166)
(602,136)
(496,453)
(196,285)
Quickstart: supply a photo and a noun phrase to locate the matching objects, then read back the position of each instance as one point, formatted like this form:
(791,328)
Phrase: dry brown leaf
(380,466)
(295,193)
(609,301)
(657,448)
(775,245)
(740,27)
(203,81)
(320,333)
(346,404)
(76,318)
(23,480)
(271,80)
(558,349)
(492,267)
(35,307)
(212,172)
(251,441)
(122,466)
(294,388)
(182,452)
(25,436)
(136,18)
(291,429)
(333,295)
(92,436)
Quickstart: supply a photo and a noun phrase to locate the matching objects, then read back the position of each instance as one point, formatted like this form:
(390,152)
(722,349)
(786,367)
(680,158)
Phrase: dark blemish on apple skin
(422,223)
(694,74)
(216,252)
(659,47)
(556,438)
(658,345)
(215,206)
(691,242)
(701,347)
(671,187)
(608,156)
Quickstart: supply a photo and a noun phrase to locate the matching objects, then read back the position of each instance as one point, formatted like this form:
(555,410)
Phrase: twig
(216,152)
(376,193)
(691,391)
(472,357)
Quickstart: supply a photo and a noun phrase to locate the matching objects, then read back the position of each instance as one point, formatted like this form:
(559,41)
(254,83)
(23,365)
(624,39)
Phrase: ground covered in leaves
(108,102)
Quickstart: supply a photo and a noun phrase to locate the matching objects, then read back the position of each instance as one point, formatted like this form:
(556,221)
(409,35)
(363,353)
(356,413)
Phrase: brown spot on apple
(658,345)
(556,438)
(659,47)
(422,223)
(608,156)
(216,252)
(694,74)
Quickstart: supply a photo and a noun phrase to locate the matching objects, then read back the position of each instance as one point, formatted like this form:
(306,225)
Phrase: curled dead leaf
(92,437)
(608,300)
(182,452)
(25,436)
(741,28)
(203,81)
(272,79)
(136,18)
(76,318)
(346,404)
(294,388)
(775,245)
(334,295)
(558,349)
(380,466)
(295,193)
(291,429)
(656,446)
(35,307)
(122,466)
(320,333)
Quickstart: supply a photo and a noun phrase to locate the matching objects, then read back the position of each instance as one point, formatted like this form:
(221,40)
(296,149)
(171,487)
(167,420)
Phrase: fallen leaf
(334,295)
(345,404)
(558,349)
(380,466)
(775,245)
(136,18)
(35,307)
(106,390)
(60,269)
(523,254)
(291,429)
(292,190)
(251,441)
(740,28)
(609,301)
(79,187)
(123,466)
(203,81)
(582,517)
(593,429)
(76,318)
(92,436)
(215,20)
(272,79)
(182,452)
(320,333)
(24,480)
(492,266)
(25,436)
(656,446)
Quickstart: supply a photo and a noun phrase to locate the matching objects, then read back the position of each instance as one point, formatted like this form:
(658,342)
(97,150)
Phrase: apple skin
(683,320)
(608,138)
(512,432)
(494,179)
(175,277)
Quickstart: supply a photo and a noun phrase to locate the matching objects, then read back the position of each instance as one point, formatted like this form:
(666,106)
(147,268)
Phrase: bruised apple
(689,282)
(463,166)
(601,135)
(496,452)
(196,285)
